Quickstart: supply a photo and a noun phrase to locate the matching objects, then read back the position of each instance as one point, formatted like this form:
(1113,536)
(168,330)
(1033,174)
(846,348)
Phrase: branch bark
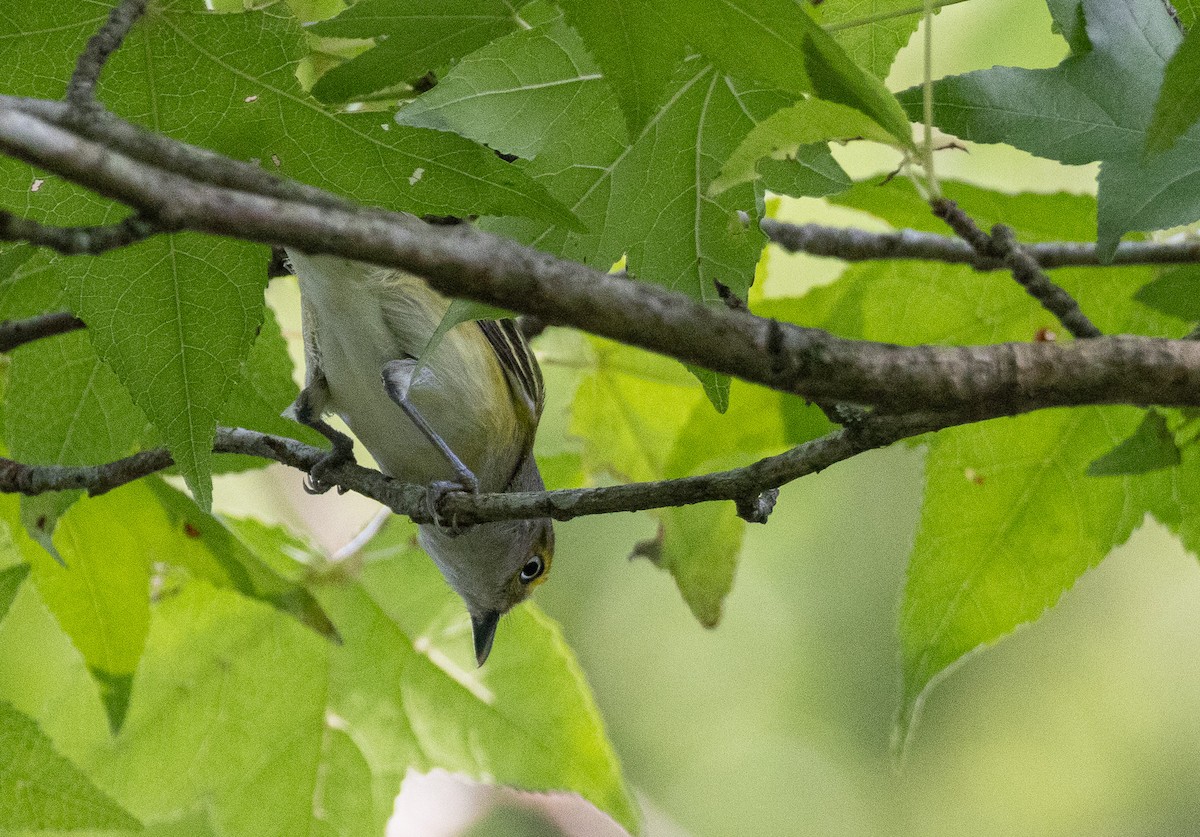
(854,245)
(460,261)
(463,509)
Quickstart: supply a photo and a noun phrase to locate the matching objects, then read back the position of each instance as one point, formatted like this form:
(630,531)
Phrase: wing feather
(518,362)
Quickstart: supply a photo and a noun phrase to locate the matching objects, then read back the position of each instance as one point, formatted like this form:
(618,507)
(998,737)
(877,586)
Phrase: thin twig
(76,241)
(468,509)
(14,333)
(1002,244)
(81,90)
(855,245)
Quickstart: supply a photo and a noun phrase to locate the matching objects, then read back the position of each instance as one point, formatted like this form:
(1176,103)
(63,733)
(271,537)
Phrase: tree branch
(464,509)
(81,90)
(854,245)
(76,241)
(14,333)
(1002,244)
(461,261)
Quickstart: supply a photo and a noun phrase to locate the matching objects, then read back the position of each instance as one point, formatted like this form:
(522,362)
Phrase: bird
(460,416)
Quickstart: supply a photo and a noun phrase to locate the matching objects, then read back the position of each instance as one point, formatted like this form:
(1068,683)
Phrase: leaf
(459,311)
(811,173)
(637,52)
(244,555)
(700,543)
(1150,447)
(1176,291)
(1095,105)
(1008,524)
(782,135)
(407,688)
(870,31)
(64,406)
(413,38)
(629,411)
(642,419)
(265,390)
(41,790)
(513,93)
(1010,519)
(240,691)
(648,200)
(100,594)
(774,42)
(178,343)
(345,806)
(11,579)
(1178,105)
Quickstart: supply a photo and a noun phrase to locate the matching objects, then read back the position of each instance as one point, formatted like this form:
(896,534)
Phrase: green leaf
(1069,22)
(460,311)
(629,411)
(41,790)
(245,555)
(636,51)
(346,804)
(1178,105)
(783,134)
(100,594)
(407,687)
(1049,217)
(700,543)
(265,390)
(870,31)
(178,343)
(1008,524)
(1010,519)
(412,40)
(648,200)
(241,692)
(1176,291)
(515,92)
(40,515)
(64,405)
(811,173)
(642,419)
(1150,447)
(774,42)
(11,579)
(1095,105)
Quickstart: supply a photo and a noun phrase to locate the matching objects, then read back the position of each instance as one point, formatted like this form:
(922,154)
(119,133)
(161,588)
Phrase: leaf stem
(934,190)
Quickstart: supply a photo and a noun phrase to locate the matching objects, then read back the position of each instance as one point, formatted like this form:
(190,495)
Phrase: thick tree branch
(461,261)
(854,245)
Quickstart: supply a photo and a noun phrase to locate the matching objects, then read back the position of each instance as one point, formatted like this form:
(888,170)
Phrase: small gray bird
(462,418)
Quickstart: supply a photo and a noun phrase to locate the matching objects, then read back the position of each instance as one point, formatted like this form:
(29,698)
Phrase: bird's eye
(534,567)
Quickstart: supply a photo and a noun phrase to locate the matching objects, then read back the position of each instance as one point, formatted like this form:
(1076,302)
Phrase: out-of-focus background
(778,721)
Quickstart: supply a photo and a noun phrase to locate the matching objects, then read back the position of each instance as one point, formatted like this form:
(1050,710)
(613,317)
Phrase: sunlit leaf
(41,790)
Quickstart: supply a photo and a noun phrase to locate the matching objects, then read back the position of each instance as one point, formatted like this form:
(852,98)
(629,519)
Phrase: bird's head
(493,567)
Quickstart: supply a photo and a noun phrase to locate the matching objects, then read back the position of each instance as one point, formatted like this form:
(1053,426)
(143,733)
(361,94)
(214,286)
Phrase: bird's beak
(483,626)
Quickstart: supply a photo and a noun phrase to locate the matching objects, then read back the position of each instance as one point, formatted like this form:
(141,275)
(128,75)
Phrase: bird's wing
(518,362)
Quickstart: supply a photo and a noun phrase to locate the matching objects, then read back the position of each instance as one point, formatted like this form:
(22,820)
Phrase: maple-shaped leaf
(1097,105)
